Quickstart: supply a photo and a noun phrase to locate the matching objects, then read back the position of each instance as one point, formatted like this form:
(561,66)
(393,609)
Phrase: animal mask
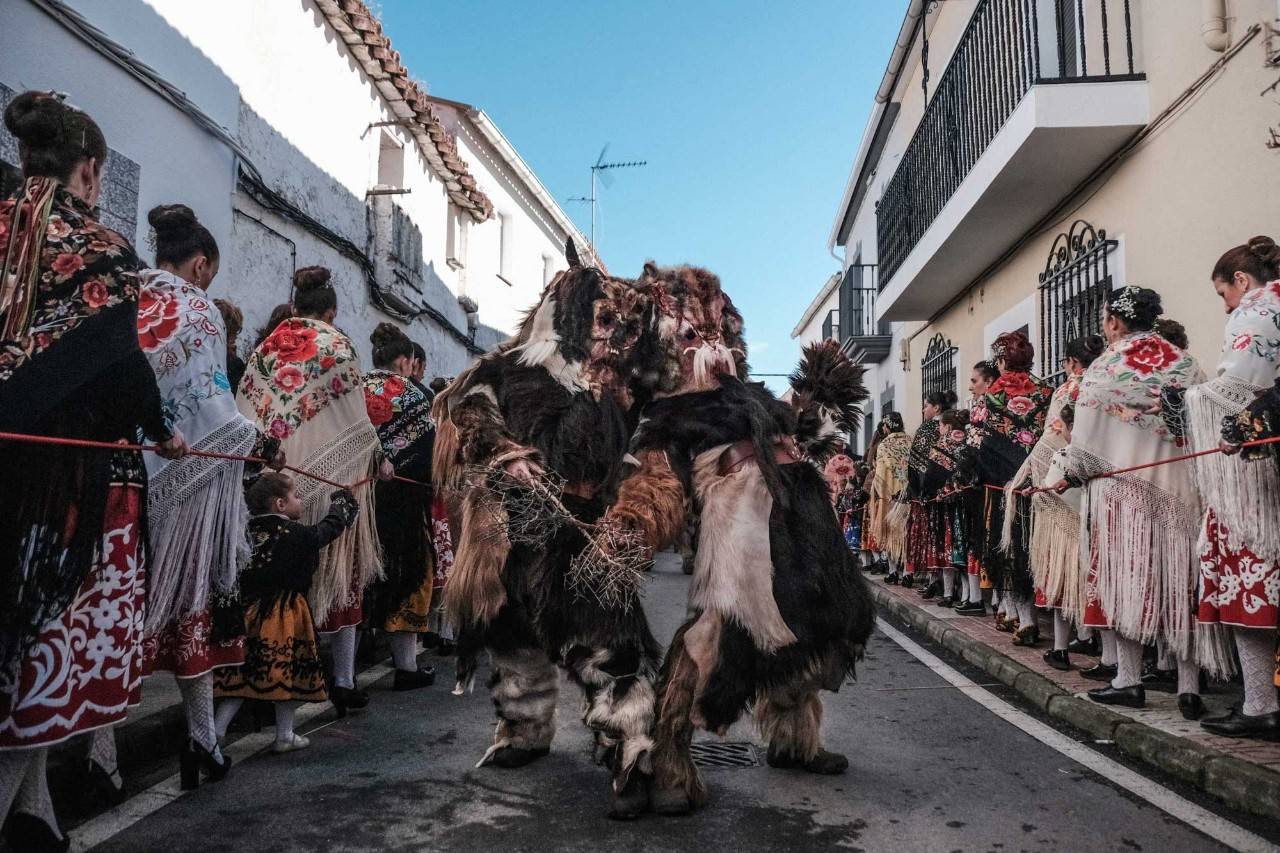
(699,332)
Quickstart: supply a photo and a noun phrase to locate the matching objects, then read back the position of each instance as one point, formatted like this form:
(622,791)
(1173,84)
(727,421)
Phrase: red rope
(151,448)
(1107,474)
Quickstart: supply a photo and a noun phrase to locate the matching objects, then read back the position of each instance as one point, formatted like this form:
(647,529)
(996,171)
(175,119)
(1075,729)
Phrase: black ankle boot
(1058,659)
(30,834)
(511,757)
(823,763)
(423,677)
(193,759)
(347,699)
(100,789)
(1191,706)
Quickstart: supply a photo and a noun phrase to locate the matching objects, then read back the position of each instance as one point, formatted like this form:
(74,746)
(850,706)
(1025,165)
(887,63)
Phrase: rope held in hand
(151,448)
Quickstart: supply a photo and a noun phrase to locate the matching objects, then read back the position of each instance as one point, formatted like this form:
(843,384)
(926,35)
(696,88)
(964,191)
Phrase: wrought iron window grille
(1073,288)
(938,367)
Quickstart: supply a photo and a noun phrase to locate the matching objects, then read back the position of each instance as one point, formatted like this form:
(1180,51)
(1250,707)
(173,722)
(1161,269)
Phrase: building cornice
(812,310)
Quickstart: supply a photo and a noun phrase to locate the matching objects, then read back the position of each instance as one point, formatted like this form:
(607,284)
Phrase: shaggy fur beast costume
(553,398)
(780,608)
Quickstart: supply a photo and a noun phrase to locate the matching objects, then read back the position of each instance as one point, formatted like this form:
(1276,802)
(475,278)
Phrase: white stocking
(1061,631)
(1188,676)
(16,766)
(948,583)
(1108,647)
(1165,658)
(225,714)
(33,794)
(197,701)
(102,752)
(404,650)
(1026,613)
(1084,632)
(975,589)
(284,720)
(1128,663)
(1257,665)
(344,657)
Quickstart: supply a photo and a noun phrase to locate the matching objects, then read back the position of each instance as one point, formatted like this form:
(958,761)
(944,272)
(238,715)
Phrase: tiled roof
(363,35)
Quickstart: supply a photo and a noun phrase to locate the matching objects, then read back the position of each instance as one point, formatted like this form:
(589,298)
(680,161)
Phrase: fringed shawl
(1236,489)
(401,414)
(889,479)
(199,521)
(1143,524)
(303,385)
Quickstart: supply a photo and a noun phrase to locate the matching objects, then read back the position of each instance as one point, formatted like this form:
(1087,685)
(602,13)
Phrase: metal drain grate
(720,754)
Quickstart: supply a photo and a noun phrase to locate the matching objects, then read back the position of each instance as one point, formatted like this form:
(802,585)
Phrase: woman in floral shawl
(402,415)
(196,507)
(1138,530)
(1240,540)
(303,385)
(887,481)
(71,519)
(920,546)
(1053,535)
(948,527)
(1005,424)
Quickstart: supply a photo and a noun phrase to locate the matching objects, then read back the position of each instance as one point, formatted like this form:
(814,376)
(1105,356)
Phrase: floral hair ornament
(1122,303)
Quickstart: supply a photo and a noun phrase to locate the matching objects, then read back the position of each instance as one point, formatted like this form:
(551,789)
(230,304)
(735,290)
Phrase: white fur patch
(542,349)
(733,570)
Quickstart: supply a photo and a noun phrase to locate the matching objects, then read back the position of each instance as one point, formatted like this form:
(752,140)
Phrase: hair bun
(1265,249)
(35,118)
(385,334)
(311,278)
(172,218)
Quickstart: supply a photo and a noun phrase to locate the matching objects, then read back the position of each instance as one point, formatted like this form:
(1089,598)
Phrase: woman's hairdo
(232,318)
(265,490)
(989,370)
(389,343)
(53,136)
(179,235)
(1015,350)
(1260,258)
(891,422)
(1137,307)
(945,399)
(1085,348)
(955,418)
(1172,331)
(312,293)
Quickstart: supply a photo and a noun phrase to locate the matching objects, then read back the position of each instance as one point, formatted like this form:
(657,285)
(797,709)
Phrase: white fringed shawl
(1144,523)
(196,511)
(1232,487)
(1055,519)
(303,385)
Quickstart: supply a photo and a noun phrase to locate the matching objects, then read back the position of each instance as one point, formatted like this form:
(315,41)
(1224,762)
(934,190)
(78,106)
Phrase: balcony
(864,338)
(1038,94)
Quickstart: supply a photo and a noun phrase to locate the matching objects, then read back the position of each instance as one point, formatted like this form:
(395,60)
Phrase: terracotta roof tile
(363,35)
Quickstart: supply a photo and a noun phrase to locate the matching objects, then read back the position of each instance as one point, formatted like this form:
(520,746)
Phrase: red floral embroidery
(379,408)
(327,361)
(66,265)
(1020,405)
(1241,342)
(394,386)
(292,342)
(157,319)
(1150,353)
(290,378)
(58,228)
(96,293)
(1015,384)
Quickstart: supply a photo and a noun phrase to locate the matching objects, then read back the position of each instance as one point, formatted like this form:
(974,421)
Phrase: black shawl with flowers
(70,367)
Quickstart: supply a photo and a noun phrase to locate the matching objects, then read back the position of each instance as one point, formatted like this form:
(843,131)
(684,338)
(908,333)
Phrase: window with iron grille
(1073,288)
(938,367)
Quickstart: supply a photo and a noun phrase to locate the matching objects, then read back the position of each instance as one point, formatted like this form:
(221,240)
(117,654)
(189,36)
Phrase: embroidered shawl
(303,385)
(1004,426)
(195,504)
(1234,488)
(1143,523)
(401,414)
(888,481)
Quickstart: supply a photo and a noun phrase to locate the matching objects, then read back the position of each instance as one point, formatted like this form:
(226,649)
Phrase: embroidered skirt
(1237,587)
(282,657)
(84,670)
(187,648)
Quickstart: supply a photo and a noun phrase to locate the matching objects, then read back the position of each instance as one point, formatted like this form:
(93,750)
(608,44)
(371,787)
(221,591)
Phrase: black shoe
(193,759)
(446,648)
(946,601)
(347,699)
(30,834)
(1026,635)
(1191,706)
(100,789)
(1161,680)
(1129,697)
(971,608)
(1100,672)
(1091,647)
(422,677)
(1239,724)
(908,581)
(511,757)
(1059,659)
(824,763)
(430,639)
(891,578)
(932,590)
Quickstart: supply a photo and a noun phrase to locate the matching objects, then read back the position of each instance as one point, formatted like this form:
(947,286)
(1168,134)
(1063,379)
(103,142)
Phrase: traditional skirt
(345,615)
(84,670)
(853,530)
(401,599)
(188,649)
(282,658)
(415,613)
(1237,587)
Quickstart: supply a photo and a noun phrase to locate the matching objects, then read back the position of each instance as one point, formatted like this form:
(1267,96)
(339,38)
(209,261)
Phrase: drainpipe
(906,35)
(1213,26)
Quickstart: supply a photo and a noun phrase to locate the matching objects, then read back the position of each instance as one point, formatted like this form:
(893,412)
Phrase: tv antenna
(602,170)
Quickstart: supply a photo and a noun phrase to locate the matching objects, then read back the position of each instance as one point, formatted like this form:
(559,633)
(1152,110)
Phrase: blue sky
(749,114)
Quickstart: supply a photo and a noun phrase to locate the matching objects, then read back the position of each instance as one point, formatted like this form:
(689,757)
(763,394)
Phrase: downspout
(1213,26)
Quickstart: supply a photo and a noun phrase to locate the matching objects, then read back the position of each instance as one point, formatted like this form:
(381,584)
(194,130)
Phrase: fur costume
(554,396)
(780,608)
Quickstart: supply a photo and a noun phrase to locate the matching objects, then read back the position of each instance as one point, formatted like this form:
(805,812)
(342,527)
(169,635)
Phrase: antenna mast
(602,169)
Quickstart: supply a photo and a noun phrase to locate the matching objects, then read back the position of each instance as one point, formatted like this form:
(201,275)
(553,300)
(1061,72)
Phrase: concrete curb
(1239,784)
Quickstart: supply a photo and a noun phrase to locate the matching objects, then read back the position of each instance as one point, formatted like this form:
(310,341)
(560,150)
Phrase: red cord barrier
(1105,474)
(151,448)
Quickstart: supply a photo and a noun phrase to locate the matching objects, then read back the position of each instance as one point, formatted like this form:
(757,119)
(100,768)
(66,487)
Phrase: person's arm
(650,500)
(483,436)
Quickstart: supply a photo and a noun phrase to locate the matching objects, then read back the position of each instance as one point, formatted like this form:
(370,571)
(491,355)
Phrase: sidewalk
(1244,773)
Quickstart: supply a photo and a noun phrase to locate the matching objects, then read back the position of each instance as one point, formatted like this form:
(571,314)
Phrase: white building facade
(298,138)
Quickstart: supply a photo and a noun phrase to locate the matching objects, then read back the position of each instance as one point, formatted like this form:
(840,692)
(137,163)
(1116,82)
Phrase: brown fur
(673,767)
(651,501)
(475,593)
(790,721)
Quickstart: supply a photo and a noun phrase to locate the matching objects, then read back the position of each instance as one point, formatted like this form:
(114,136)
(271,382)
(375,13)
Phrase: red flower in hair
(293,342)
(1149,354)
(157,319)
(379,408)
(66,265)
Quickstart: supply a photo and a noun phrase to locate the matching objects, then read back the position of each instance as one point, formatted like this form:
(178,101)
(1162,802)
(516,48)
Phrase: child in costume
(282,659)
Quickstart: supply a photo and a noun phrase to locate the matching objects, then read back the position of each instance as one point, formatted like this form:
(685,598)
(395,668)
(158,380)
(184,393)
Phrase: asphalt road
(931,770)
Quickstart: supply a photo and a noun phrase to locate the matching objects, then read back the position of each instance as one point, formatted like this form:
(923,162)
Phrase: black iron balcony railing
(1008,47)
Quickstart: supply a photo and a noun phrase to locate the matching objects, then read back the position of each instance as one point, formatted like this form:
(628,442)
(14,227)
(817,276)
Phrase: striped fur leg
(523,686)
